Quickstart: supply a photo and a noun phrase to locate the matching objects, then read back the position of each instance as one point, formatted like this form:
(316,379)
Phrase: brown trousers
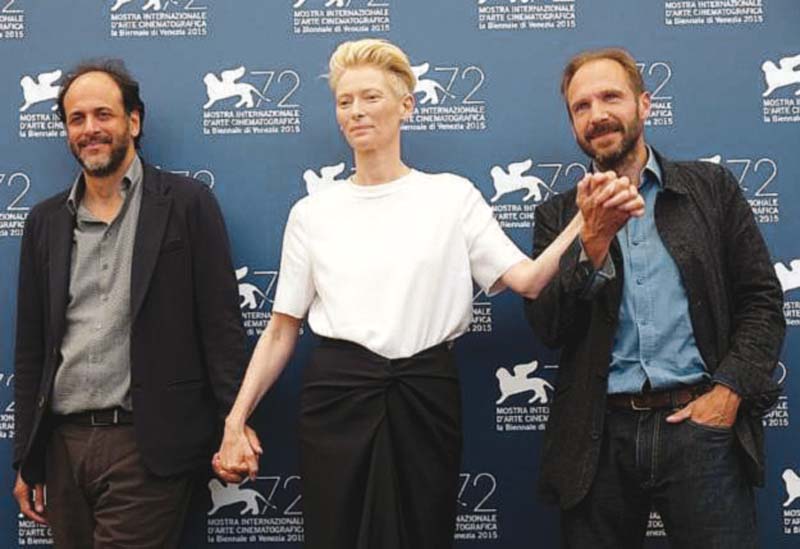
(100,495)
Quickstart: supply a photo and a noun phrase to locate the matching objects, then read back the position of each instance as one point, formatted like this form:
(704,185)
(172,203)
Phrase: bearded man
(129,347)
(669,326)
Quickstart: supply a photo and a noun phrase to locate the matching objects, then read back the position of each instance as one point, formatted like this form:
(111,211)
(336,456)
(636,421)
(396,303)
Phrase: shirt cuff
(722,380)
(597,278)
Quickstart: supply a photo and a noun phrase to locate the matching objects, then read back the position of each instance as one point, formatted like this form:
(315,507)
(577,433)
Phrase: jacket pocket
(172,246)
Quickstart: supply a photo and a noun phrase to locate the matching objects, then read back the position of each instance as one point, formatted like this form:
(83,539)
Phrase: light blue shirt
(654,341)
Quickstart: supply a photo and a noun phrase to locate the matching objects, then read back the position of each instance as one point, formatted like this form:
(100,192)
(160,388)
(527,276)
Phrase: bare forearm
(528,278)
(272,352)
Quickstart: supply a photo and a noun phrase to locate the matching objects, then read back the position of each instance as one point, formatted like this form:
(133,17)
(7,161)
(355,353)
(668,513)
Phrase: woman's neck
(376,167)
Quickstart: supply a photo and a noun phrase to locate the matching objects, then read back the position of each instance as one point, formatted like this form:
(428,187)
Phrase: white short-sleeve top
(390,266)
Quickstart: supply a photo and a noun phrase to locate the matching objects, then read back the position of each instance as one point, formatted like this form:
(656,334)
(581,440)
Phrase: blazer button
(41,401)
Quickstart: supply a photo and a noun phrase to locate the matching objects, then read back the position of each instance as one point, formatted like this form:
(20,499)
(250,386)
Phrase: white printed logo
(328,4)
(434,93)
(476,492)
(254,298)
(339,4)
(478,517)
(777,76)
(223,495)
(37,114)
(158,19)
(791,481)
(789,277)
(226,86)
(746,169)
(448,98)
(251,296)
(516,179)
(7,381)
(249,112)
(525,15)
(13,211)
(340,16)
(482,317)
(7,8)
(778,416)
(12,21)
(785,73)
(160,5)
(282,496)
(520,214)
(17,180)
(657,75)
(325,180)
(519,383)
(754,176)
(40,89)
(149,5)
(430,89)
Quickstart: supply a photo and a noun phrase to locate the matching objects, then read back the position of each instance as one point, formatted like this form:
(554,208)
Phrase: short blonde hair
(378,53)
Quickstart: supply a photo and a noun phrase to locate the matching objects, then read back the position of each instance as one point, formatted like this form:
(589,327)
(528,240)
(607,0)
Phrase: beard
(102,166)
(613,158)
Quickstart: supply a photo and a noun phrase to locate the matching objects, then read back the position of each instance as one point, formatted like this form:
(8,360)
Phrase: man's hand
(238,455)
(22,493)
(606,203)
(716,408)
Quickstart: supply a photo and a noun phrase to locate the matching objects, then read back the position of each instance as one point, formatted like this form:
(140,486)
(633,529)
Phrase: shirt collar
(133,177)
(652,168)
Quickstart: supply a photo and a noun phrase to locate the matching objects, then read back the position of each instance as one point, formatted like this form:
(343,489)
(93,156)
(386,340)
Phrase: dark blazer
(187,344)
(735,304)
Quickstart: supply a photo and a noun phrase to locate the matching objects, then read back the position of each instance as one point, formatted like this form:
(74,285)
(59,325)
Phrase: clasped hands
(237,458)
(606,202)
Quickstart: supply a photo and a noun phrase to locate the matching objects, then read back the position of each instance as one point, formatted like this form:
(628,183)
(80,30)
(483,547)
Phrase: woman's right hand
(238,455)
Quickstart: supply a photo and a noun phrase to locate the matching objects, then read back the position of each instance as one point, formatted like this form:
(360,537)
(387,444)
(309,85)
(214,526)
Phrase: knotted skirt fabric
(380,448)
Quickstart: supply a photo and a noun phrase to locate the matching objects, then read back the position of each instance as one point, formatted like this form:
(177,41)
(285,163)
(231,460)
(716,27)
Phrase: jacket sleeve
(553,314)
(757,324)
(216,300)
(30,345)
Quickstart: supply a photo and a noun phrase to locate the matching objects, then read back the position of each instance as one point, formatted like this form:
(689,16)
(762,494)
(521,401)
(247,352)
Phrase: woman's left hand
(238,455)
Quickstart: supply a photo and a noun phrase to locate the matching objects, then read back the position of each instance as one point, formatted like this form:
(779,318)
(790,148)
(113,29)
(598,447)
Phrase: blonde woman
(383,266)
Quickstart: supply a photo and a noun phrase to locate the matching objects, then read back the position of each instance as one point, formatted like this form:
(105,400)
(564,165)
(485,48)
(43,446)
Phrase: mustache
(95,140)
(602,128)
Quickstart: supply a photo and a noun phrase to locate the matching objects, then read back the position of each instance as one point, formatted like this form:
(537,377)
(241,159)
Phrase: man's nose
(90,124)
(598,113)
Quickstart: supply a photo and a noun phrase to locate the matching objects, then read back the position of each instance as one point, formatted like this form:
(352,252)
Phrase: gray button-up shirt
(95,370)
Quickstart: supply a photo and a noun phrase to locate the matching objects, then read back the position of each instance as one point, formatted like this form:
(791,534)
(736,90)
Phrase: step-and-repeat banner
(237,97)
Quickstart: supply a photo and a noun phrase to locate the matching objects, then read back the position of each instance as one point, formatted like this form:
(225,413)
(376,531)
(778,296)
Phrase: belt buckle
(114,420)
(636,407)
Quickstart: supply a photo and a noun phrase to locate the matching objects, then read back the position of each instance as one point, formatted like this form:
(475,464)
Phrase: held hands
(238,455)
(606,203)
(22,493)
(716,408)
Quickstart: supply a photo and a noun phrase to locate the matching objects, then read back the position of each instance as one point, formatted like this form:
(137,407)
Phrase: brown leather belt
(657,400)
(98,418)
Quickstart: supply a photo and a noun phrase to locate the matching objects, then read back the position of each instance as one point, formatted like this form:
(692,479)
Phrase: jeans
(690,473)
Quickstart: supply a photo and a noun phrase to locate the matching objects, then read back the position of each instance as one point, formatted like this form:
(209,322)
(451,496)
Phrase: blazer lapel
(60,253)
(153,215)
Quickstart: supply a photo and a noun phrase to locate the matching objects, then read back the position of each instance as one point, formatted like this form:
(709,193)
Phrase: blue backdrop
(236,96)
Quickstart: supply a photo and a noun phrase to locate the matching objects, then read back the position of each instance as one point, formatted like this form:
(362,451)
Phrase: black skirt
(380,448)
